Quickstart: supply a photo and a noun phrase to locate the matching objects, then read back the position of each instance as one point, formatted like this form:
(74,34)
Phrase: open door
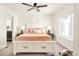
(3,42)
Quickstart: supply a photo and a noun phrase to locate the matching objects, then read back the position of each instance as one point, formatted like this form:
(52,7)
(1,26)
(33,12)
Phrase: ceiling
(20,8)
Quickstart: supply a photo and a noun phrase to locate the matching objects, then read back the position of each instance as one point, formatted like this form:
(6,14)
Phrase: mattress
(33,37)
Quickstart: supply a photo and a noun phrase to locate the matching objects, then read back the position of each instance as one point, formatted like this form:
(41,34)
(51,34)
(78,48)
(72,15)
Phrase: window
(65,26)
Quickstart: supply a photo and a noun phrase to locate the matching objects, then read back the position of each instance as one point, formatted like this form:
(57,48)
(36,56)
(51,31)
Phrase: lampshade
(22,28)
(49,28)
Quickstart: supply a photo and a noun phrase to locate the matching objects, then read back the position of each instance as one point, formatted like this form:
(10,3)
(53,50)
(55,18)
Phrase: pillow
(30,30)
(37,30)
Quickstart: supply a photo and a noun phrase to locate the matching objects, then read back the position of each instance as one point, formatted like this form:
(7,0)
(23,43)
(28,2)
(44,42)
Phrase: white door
(3,39)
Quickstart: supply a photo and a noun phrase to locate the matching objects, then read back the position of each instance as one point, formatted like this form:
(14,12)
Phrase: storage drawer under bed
(34,46)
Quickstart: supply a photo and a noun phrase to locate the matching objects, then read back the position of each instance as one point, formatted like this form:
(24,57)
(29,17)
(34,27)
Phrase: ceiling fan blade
(38,10)
(29,9)
(27,4)
(41,6)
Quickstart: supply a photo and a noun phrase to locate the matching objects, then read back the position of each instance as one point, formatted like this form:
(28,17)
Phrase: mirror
(9,22)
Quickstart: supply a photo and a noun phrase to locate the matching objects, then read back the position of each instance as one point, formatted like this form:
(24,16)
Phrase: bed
(33,42)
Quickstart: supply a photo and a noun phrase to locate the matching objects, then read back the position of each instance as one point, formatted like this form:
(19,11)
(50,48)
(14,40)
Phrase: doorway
(9,27)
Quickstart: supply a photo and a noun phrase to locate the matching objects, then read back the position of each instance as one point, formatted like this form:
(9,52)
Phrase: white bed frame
(34,46)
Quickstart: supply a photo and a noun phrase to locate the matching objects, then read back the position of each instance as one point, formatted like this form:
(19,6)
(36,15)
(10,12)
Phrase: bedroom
(48,19)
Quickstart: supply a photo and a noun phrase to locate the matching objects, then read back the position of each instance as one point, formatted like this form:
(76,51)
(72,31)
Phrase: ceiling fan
(34,6)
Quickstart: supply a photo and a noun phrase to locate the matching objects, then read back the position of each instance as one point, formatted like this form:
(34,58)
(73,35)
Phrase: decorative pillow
(38,31)
(30,30)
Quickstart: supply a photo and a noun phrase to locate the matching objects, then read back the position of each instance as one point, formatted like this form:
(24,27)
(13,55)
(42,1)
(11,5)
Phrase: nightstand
(9,35)
(52,35)
(18,34)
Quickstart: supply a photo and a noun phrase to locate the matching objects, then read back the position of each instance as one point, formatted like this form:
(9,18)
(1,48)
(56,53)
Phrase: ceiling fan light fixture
(34,6)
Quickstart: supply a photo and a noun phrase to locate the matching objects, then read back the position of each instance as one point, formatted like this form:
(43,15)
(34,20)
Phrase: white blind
(66,26)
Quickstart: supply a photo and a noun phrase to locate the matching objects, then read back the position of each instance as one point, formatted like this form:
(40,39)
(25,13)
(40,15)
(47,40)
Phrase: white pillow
(37,31)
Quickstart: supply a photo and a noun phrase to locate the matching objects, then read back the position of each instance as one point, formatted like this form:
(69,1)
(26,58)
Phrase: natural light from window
(66,26)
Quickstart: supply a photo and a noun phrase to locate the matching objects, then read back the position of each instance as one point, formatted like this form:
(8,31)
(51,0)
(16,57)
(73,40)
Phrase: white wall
(6,11)
(68,8)
(35,18)
(3,39)
(2,31)
(3,36)
(76,29)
